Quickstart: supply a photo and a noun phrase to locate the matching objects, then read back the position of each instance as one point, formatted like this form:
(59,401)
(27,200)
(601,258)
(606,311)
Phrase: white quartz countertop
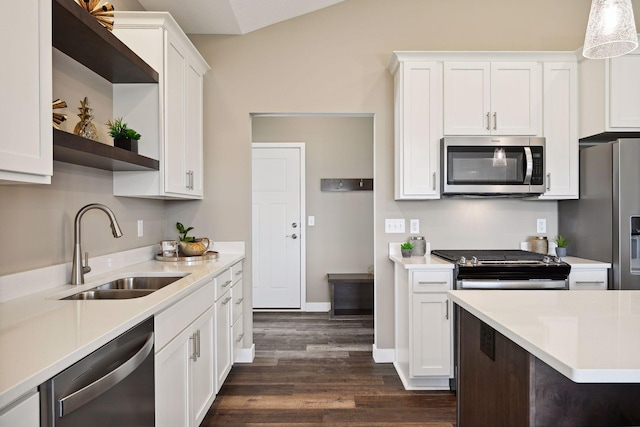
(41,335)
(421,262)
(588,336)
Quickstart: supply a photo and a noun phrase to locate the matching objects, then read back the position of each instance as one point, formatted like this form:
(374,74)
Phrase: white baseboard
(246,355)
(317,307)
(383,355)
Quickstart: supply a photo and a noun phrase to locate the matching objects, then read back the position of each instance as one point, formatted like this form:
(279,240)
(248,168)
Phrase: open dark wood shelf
(80,36)
(70,148)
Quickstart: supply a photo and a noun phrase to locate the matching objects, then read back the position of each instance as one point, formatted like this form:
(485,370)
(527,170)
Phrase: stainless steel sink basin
(125,288)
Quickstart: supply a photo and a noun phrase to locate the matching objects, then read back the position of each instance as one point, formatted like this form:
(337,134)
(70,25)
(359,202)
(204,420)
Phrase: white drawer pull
(240,337)
(239,301)
(226,301)
(227,283)
(591,282)
(432,283)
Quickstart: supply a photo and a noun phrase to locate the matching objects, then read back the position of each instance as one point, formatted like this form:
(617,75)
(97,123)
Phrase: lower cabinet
(424,328)
(25,412)
(223,338)
(185,376)
(588,279)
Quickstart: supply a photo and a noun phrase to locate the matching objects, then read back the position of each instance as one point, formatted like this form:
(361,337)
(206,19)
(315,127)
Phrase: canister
(419,246)
(540,244)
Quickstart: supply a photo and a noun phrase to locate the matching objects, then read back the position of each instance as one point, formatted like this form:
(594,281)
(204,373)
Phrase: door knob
(293,236)
(294,225)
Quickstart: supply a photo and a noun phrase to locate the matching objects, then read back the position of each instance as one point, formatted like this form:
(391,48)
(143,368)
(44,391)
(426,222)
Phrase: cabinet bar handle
(446,316)
(227,283)
(198,343)
(239,272)
(495,121)
(432,283)
(548,181)
(193,353)
(239,301)
(434,181)
(590,282)
(488,121)
(226,301)
(240,337)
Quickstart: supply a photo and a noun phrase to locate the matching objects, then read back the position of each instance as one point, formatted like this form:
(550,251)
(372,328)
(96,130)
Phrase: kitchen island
(548,358)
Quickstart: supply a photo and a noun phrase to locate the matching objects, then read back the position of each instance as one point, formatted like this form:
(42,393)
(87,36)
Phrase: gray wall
(336,147)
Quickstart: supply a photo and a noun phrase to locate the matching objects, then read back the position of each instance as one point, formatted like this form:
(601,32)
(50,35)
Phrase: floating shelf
(70,148)
(79,35)
(346,184)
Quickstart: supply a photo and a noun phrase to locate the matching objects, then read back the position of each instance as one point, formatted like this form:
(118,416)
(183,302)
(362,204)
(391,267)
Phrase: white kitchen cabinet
(609,95)
(492,98)
(222,331)
(424,328)
(168,115)
(26,153)
(25,412)
(237,308)
(588,279)
(560,129)
(184,362)
(418,129)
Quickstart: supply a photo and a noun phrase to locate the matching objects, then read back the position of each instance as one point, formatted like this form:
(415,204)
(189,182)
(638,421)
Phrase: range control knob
(546,259)
(474,260)
(462,260)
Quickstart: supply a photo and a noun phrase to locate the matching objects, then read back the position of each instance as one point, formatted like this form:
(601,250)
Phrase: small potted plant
(561,249)
(406,249)
(189,245)
(123,136)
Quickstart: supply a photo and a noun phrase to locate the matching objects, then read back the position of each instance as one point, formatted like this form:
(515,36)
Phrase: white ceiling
(233,16)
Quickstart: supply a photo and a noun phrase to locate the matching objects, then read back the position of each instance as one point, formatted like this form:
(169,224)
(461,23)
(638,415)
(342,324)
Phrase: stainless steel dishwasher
(113,386)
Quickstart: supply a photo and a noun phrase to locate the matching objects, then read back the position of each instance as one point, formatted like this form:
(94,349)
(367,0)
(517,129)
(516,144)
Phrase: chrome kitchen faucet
(77,269)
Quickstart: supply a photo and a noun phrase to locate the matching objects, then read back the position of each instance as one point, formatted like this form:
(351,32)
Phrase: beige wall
(336,147)
(334,61)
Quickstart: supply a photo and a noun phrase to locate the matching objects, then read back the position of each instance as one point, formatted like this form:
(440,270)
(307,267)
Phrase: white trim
(246,355)
(383,355)
(303,210)
(317,307)
(421,383)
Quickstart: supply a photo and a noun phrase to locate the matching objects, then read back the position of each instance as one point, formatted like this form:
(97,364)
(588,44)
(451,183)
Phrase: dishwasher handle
(75,400)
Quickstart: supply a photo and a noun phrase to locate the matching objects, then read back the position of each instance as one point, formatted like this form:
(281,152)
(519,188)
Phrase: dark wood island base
(501,384)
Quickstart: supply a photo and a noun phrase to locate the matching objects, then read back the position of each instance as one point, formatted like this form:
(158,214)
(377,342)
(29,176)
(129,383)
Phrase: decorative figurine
(102,13)
(57,117)
(85,127)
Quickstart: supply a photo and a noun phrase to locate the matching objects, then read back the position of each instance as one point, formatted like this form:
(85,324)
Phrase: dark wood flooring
(313,371)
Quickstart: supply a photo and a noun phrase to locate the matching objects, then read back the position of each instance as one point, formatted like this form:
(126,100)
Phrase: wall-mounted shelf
(70,148)
(79,35)
(346,184)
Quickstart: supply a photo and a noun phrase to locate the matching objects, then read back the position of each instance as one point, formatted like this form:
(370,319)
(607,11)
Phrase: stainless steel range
(506,269)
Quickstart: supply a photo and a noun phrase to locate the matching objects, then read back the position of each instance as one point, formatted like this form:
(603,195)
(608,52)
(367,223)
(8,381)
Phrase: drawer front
(236,272)
(237,299)
(223,283)
(588,279)
(432,281)
(176,318)
(237,332)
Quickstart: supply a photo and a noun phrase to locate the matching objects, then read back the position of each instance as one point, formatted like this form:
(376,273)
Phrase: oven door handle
(511,284)
(529,166)
(75,400)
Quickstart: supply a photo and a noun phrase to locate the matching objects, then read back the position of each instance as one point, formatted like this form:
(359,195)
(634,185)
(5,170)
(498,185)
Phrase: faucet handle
(86,268)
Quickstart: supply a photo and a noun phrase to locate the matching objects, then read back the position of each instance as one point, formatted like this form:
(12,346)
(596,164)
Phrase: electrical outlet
(541,225)
(394,225)
(414,226)
(140,228)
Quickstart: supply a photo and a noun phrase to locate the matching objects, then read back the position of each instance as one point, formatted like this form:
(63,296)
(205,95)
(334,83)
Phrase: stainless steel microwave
(498,166)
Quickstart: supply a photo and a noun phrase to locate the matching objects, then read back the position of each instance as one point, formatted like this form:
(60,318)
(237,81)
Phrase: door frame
(303,217)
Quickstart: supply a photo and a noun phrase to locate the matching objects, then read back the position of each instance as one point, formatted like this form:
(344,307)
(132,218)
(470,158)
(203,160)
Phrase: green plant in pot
(406,248)
(561,249)
(189,245)
(123,136)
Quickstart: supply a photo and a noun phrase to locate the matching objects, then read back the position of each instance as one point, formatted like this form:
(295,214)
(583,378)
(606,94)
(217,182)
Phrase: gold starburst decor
(57,117)
(103,13)
(85,127)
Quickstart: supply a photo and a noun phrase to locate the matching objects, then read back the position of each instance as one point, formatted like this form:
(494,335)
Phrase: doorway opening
(336,232)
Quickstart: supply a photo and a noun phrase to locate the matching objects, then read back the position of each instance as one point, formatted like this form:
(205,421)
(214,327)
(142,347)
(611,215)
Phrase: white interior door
(277,231)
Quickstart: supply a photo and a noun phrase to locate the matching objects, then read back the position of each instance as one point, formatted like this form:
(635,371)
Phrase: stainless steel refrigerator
(604,224)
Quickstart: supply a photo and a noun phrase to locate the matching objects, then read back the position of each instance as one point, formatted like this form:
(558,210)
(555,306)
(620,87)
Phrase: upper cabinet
(418,129)
(491,98)
(609,96)
(26,151)
(171,112)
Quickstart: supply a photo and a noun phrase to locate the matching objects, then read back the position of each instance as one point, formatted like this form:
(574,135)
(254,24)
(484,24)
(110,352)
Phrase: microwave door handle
(529,165)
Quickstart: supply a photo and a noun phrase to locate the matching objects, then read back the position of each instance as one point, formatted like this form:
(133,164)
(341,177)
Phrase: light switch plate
(140,228)
(541,225)
(311,221)
(414,226)
(394,225)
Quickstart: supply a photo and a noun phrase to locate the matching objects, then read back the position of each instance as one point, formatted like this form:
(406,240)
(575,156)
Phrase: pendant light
(611,30)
